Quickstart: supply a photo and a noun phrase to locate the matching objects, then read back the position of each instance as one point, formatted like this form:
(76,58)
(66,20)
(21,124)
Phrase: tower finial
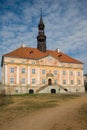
(41,11)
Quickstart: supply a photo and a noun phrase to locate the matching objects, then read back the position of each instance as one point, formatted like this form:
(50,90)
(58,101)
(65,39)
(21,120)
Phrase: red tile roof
(33,53)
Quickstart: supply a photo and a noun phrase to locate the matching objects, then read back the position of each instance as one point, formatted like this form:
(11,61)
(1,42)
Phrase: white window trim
(11,80)
(33,71)
(12,70)
(23,70)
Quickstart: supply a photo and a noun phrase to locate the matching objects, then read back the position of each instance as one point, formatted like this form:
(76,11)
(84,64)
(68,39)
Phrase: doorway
(49,81)
(53,90)
(31,91)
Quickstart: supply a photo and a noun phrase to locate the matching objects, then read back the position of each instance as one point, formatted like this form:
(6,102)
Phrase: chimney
(23,45)
(57,50)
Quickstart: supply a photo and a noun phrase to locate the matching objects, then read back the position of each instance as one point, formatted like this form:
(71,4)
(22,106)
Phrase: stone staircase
(41,88)
(45,86)
(60,86)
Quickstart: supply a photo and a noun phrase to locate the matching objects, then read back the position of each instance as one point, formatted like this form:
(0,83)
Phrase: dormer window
(59,55)
(31,52)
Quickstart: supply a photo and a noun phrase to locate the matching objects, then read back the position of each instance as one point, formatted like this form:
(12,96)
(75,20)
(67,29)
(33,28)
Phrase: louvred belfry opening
(41,38)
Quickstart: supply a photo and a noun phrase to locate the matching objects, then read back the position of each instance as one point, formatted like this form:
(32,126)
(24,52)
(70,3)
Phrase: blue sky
(65,25)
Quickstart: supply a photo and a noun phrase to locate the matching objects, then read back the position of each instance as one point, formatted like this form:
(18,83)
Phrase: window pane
(55,72)
(11,70)
(64,72)
(79,82)
(33,81)
(23,70)
(71,73)
(43,71)
(12,80)
(55,81)
(64,81)
(71,81)
(33,71)
(78,73)
(43,81)
(23,80)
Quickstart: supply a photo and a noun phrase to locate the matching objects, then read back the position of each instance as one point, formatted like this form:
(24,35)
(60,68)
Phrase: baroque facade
(38,70)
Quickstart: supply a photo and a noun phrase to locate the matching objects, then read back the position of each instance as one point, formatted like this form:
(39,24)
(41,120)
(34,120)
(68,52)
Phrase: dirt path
(62,117)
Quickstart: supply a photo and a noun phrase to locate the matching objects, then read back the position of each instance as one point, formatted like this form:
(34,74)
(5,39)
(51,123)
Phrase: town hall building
(38,70)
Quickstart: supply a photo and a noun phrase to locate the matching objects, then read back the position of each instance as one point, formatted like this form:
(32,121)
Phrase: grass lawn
(22,105)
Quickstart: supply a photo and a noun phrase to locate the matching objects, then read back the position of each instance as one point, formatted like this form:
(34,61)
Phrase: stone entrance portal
(49,81)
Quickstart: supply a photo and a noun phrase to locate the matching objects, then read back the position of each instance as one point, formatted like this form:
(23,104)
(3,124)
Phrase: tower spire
(41,20)
(41,12)
(41,38)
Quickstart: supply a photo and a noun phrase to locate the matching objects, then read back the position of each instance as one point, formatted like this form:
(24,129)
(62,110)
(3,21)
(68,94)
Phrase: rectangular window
(23,70)
(23,81)
(43,71)
(72,82)
(64,81)
(12,80)
(78,73)
(55,81)
(33,71)
(79,82)
(55,72)
(43,81)
(33,63)
(71,73)
(64,72)
(33,81)
(11,70)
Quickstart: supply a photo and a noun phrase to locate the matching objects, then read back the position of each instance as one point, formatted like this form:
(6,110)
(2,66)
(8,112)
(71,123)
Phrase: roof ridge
(25,52)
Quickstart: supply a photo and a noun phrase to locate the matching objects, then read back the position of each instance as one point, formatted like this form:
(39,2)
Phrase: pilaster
(38,81)
(5,74)
(17,75)
(28,75)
